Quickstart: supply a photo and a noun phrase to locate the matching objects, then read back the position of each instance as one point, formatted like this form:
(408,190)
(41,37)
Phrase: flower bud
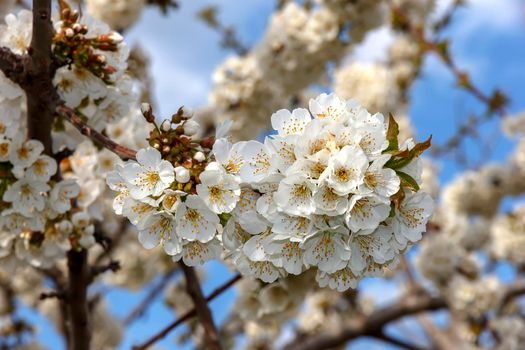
(69,32)
(187,113)
(64,227)
(116,38)
(147,112)
(182,175)
(199,157)
(165,126)
(191,127)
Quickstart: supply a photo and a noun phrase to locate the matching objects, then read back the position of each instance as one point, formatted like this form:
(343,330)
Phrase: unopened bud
(165,126)
(147,112)
(101,58)
(187,113)
(69,32)
(166,149)
(77,27)
(116,38)
(182,175)
(191,127)
(199,157)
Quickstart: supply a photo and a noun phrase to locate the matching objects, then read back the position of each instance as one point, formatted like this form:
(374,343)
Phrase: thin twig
(186,316)
(69,114)
(141,308)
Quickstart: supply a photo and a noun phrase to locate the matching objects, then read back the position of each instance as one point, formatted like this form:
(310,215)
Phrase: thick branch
(41,95)
(397,342)
(13,65)
(375,322)
(186,316)
(76,121)
(77,299)
(371,325)
(211,336)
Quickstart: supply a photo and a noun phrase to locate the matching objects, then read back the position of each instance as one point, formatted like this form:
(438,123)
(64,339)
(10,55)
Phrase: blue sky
(488,41)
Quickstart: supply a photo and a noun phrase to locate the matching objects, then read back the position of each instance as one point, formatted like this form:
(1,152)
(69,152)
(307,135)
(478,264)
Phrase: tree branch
(397,342)
(139,310)
(69,114)
(375,322)
(79,276)
(12,65)
(186,316)
(41,94)
(193,287)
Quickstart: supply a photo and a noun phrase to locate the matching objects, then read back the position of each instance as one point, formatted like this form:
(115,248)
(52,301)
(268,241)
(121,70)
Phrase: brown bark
(211,336)
(79,273)
(186,316)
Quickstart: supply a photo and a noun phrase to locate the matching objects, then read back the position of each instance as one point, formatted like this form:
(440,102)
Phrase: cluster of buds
(174,139)
(73,44)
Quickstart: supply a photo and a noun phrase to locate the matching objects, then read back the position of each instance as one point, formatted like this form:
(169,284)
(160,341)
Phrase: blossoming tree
(98,191)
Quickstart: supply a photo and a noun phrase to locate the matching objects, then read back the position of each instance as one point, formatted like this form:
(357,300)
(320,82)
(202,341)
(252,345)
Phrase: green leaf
(407,181)
(392,133)
(404,159)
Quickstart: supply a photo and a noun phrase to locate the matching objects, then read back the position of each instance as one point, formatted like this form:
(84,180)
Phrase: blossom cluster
(160,195)
(37,219)
(333,189)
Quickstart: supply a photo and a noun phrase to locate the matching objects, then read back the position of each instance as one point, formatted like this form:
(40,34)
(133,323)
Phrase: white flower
(254,248)
(368,243)
(330,203)
(329,108)
(365,212)
(412,216)
(197,253)
(24,154)
(160,228)
(229,155)
(74,84)
(346,170)
(264,270)
(138,212)
(257,162)
(17,34)
(195,221)
(81,220)
(290,123)
(149,176)
(42,169)
(116,183)
(219,190)
(293,228)
(382,181)
(27,196)
(286,254)
(5,149)
(182,175)
(283,149)
(327,250)
(295,195)
(61,195)
(340,280)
